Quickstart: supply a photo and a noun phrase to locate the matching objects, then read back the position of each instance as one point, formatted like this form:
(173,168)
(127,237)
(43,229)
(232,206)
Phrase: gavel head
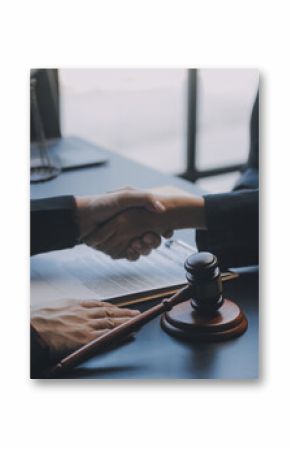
(204,277)
(206,316)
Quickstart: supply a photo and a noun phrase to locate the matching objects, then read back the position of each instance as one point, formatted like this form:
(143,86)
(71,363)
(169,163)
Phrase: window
(142,114)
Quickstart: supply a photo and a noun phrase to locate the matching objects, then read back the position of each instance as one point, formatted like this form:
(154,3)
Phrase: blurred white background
(141,113)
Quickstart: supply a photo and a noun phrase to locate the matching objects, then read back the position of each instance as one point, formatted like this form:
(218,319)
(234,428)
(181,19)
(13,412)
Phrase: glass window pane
(140,113)
(225,100)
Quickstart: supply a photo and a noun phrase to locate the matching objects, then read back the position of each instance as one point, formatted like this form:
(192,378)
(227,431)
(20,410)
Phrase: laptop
(65,153)
(70,153)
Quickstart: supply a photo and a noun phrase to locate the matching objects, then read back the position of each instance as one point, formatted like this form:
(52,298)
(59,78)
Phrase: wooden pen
(100,343)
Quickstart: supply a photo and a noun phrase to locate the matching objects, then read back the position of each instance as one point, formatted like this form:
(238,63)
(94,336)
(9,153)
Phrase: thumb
(140,199)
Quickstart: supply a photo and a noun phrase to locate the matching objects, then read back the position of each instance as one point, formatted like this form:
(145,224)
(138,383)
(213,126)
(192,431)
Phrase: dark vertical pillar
(191,124)
(47,91)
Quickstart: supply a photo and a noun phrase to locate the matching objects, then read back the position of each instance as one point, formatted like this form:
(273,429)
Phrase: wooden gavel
(206,317)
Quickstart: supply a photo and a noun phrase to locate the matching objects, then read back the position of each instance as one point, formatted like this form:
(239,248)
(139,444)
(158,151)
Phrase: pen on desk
(123,330)
(116,334)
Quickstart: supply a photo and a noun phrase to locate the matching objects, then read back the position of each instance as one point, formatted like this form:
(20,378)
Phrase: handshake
(124,224)
(129,223)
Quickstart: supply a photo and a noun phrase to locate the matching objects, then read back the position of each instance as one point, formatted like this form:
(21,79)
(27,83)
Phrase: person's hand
(143,245)
(117,238)
(69,324)
(92,211)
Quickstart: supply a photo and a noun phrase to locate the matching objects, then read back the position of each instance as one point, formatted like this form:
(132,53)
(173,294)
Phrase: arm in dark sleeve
(250,176)
(233,218)
(232,228)
(39,355)
(53,225)
(253,160)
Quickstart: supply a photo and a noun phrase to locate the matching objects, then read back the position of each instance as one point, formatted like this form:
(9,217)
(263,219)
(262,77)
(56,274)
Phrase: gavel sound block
(197,312)
(207,316)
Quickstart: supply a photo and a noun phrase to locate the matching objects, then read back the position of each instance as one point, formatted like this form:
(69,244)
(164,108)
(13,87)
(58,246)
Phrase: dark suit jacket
(53,225)
(233,218)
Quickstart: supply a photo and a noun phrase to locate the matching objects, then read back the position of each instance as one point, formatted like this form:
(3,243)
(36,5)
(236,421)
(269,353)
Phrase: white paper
(82,272)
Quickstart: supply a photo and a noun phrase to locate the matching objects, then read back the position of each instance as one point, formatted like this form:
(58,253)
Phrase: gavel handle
(118,333)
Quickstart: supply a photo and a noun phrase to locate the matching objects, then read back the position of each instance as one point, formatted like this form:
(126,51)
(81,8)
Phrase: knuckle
(108,312)
(110,323)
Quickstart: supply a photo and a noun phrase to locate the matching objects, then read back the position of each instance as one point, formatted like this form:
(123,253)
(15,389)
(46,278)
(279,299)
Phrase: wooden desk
(154,354)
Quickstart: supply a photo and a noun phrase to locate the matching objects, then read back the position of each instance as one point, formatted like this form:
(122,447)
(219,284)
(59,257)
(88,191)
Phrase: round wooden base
(183,322)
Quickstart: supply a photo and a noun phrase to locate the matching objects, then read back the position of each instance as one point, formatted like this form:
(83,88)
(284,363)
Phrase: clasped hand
(129,223)
(122,224)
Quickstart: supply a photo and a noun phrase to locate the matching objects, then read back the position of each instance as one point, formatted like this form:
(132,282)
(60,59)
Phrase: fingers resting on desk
(67,324)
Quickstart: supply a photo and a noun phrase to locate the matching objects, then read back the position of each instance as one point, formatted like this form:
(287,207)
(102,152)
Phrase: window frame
(191,172)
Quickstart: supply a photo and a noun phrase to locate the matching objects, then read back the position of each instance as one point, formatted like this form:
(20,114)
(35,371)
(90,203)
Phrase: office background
(213,162)
(193,123)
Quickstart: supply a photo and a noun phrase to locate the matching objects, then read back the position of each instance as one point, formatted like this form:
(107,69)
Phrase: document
(84,273)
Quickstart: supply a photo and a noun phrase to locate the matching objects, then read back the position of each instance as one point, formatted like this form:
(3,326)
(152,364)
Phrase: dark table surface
(153,354)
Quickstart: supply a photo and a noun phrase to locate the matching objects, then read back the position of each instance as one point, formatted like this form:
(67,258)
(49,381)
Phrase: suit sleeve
(233,218)
(53,224)
(39,355)
(233,228)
